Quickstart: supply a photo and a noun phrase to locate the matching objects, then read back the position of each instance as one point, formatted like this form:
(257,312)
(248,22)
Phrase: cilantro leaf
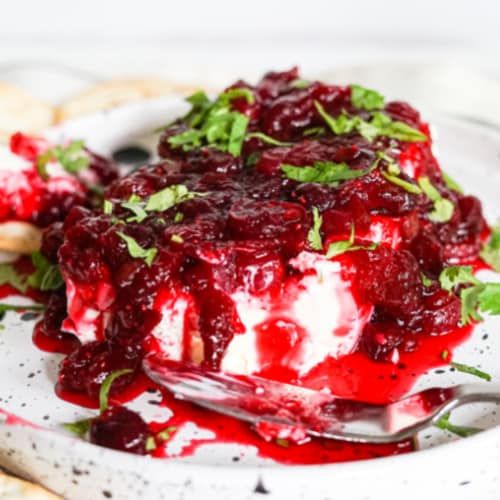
(490,252)
(46,275)
(215,123)
(379,125)
(9,276)
(314,235)
(398,181)
(267,139)
(443,208)
(484,297)
(471,370)
(340,247)
(136,251)
(135,205)
(25,307)
(73,158)
(322,172)
(489,298)
(106,387)
(451,277)
(445,424)
(169,197)
(451,184)
(363,98)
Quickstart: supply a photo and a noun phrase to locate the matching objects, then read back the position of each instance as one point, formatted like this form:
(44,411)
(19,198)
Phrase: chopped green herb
(443,208)
(136,251)
(471,370)
(24,307)
(267,139)
(484,297)
(300,83)
(453,276)
(450,183)
(46,275)
(445,424)
(425,280)
(322,172)
(136,206)
(214,123)
(314,131)
(169,197)
(284,443)
(106,387)
(363,98)
(379,125)
(80,427)
(176,238)
(314,235)
(178,217)
(150,443)
(166,434)
(407,186)
(107,207)
(9,276)
(72,158)
(445,355)
(340,247)
(490,252)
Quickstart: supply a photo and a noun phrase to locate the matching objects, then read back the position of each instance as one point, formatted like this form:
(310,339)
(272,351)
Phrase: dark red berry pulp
(247,224)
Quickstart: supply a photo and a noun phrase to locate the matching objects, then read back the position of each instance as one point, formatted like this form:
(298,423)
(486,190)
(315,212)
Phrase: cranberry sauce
(245,209)
(31,197)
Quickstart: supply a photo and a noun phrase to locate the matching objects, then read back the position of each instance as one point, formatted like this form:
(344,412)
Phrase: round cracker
(20,237)
(21,112)
(113,93)
(12,488)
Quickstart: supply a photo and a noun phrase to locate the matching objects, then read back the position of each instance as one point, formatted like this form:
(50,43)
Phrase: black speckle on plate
(260,488)
(131,155)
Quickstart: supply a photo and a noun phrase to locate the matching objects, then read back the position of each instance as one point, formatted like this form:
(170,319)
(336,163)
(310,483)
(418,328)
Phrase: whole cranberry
(120,429)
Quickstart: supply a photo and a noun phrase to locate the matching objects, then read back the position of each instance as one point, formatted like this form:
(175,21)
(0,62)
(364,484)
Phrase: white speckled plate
(79,470)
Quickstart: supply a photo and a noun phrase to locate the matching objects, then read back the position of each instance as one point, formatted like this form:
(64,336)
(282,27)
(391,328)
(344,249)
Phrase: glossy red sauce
(241,234)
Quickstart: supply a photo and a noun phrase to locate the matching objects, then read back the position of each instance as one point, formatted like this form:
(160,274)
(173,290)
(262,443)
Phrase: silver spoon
(258,400)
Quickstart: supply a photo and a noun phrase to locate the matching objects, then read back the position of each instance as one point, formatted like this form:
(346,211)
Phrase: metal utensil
(258,400)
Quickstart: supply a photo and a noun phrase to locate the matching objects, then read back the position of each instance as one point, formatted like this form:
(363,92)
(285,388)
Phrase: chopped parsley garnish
(72,158)
(451,184)
(471,370)
(178,217)
(157,202)
(9,276)
(379,125)
(340,247)
(46,275)
(314,235)
(427,282)
(106,387)
(80,427)
(443,208)
(267,139)
(300,83)
(476,298)
(107,207)
(363,98)
(166,433)
(136,206)
(323,172)
(445,424)
(214,123)
(398,181)
(176,238)
(490,252)
(169,197)
(136,251)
